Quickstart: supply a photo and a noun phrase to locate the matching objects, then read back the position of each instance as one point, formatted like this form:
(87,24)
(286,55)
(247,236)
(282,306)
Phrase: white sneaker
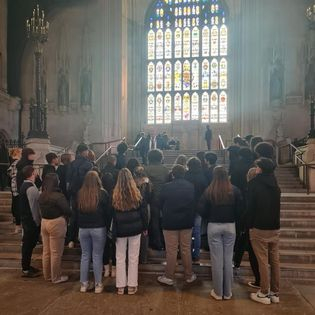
(71,244)
(260,298)
(228,297)
(215,296)
(99,287)
(274,297)
(61,280)
(106,271)
(163,279)
(192,278)
(113,272)
(84,287)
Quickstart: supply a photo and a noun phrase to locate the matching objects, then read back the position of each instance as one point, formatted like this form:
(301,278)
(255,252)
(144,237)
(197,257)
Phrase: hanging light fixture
(310,13)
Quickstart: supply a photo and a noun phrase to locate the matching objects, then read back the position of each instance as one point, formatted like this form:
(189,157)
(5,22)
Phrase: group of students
(127,210)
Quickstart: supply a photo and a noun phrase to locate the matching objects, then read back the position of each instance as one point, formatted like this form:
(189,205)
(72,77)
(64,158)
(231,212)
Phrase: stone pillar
(3,45)
(309,158)
(41,148)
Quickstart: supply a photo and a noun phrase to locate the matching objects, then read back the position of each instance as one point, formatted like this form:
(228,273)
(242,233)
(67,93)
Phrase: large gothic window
(187,67)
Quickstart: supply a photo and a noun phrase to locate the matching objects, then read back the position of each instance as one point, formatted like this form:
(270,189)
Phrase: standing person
(28,157)
(75,177)
(55,212)
(208,137)
(220,204)
(30,218)
(53,162)
(177,200)
(12,171)
(132,164)
(93,219)
(110,167)
(245,243)
(211,162)
(158,175)
(264,224)
(130,221)
(145,186)
(196,176)
(62,171)
(109,256)
(4,165)
(122,148)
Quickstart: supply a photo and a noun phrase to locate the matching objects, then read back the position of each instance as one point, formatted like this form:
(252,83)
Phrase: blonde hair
(126,195)
(251,174)
(15,153)
(89,194)
(220,191)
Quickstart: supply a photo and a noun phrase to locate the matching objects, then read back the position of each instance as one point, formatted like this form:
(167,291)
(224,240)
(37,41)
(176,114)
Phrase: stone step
(298,222)
(297,233)
(302,244)
(297,205)
(298,214)
(288,270)
(293,190)
(297,198)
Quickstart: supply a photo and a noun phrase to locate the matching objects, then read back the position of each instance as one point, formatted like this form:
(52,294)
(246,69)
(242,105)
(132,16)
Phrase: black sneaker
(34,270)
(29,274)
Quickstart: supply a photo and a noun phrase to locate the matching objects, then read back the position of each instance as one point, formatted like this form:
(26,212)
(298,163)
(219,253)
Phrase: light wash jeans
(196,236)
(133,245)
(92,245)
(221,238)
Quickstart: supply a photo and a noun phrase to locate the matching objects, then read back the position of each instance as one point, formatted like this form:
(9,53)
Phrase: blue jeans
(221,238)
(92,245)
(196,235)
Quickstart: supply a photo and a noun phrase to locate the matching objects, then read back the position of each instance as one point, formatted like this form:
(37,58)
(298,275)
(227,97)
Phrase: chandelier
(310,13)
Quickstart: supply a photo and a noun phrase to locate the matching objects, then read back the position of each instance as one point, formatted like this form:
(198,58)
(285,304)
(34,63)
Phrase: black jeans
(30,238)
(16,210)
(109,252)
(73,228)
(243,244)
(155,230)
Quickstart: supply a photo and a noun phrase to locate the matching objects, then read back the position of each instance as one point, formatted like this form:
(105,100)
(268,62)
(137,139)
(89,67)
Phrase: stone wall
(107,38)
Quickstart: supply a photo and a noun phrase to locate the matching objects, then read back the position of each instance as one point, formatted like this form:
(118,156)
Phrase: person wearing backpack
(75,177)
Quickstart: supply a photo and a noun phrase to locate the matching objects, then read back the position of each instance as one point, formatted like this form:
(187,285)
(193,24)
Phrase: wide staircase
(297,243)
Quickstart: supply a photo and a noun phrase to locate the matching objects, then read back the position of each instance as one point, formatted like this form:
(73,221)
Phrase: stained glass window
(187,68)
(168,76)
(205,110)
(159,76)
(159,109)
(167,109)
(195,75)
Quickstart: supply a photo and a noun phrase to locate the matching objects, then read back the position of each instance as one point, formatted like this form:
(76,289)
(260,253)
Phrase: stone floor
(35,296)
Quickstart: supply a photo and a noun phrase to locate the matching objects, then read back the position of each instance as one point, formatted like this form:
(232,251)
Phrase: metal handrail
(221,142)
(103,154)
(137,143)
(108,142)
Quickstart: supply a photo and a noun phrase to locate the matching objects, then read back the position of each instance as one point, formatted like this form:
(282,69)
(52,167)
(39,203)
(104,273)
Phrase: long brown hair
(89,194)
(220,191)
(126,195)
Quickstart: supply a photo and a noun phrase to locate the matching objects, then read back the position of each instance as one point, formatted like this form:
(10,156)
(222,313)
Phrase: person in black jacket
(178,215)
(130,221)
(27,158)
(52,160)
(93,220)
(4,165)
(30,218)
(196,176)
(75,177)
(62,171)
(220,205)
(264,224)
(55,212)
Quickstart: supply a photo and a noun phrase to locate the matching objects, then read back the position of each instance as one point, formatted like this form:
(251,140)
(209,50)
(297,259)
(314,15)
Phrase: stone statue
(310,80)
(63,89)
(276,83)
(86,88)
(86,133)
